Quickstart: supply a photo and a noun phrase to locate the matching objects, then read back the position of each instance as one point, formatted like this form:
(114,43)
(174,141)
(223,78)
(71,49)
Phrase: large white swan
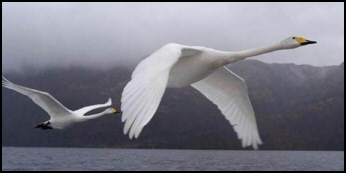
(177,66)
(60,116)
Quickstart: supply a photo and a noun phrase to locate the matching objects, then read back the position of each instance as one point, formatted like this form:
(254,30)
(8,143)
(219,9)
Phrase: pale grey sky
(104,34)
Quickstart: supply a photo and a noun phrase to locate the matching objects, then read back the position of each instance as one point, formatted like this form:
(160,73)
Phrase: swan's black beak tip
(309,42)
(117,112)
(312,42)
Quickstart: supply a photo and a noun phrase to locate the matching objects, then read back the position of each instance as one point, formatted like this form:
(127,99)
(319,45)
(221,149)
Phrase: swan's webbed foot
(44,126)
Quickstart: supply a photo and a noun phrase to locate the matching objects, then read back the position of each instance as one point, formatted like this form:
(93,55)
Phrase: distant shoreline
(119,148)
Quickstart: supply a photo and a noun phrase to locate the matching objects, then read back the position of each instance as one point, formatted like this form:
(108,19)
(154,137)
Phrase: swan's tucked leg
(44,126)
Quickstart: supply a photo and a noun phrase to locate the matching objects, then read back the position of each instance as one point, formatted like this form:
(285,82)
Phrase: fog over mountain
(297,107)
(102,35)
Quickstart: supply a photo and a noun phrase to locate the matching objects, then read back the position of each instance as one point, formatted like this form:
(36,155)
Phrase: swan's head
(294,42)
(112,111)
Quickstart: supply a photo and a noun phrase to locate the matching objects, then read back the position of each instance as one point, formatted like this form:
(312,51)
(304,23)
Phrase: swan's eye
(293,38)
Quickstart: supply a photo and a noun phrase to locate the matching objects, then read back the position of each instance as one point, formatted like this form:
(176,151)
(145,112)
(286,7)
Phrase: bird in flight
(60,116)
(203,68)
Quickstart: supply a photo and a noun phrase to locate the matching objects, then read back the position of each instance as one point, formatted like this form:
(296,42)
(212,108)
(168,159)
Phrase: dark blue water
(154,160)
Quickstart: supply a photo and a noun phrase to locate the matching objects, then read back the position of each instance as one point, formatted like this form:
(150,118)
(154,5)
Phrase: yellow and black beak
(304,41)
(115,111)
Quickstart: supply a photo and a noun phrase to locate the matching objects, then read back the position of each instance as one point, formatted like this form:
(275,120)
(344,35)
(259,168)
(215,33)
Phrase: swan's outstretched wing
(52,106)
(142,95)
(229,92)
(87,109)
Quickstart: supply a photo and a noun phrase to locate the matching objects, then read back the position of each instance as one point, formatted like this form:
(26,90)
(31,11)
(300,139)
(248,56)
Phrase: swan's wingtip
(109,101)
(255,146)
(138,133)
(131,136)
(4,79)
(5,82)
(123,119)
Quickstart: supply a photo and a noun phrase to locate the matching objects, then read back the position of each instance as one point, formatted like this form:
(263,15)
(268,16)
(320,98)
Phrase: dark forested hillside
(297,107)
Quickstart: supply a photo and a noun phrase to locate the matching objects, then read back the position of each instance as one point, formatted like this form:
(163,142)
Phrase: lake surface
(34,159)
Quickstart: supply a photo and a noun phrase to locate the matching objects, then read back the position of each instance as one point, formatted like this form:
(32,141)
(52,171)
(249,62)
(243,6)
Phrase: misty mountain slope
(304,101)
(297,107)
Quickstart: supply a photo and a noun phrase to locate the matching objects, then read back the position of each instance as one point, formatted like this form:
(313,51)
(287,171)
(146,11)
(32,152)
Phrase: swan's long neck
(236,56)
(94,116)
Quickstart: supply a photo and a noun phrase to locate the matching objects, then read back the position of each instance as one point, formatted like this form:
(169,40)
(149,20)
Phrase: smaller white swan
(60,116)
